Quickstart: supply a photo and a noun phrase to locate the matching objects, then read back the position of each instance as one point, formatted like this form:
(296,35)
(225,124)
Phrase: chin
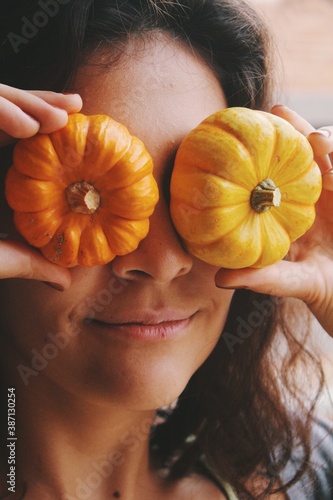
(139,388)
(159,386)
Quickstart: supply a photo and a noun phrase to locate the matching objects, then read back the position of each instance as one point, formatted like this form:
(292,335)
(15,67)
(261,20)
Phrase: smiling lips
(167,325)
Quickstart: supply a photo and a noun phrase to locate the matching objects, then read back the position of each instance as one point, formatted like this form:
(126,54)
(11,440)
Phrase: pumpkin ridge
(252,159)
(203,244)
(245,187)
(294,153)
(103,143)
(305,223)
(85,178)
(202,190)
(81,123)
(204,209)
(275,155)
(273,158)
(233,134)
(116,207)
(56,181)
(22,158)
(239,136)
(227,258)
(84,156)
(295,179)
(296,203)
(20,220)
(118,228)
(145,170)
(263,230)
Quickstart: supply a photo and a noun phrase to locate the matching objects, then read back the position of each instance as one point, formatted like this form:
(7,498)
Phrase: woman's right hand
(19,260)
(23,114)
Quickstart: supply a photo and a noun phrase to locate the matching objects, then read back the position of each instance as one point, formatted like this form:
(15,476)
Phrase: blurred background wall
(303,32)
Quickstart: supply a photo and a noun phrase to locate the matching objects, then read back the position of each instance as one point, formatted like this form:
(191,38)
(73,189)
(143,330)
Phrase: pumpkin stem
(83,197)
(265,196)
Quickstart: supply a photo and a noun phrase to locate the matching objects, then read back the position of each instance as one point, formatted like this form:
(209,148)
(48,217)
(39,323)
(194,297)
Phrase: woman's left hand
(307,274)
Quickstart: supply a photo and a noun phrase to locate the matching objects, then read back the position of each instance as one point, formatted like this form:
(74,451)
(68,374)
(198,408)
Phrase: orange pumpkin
(243,188)
(83,194)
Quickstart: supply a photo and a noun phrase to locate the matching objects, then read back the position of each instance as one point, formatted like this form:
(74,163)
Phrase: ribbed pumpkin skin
(100,151)
(217,166)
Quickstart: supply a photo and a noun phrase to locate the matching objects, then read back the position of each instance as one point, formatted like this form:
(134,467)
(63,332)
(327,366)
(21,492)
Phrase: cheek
(215,301)
(220,301)
(37,338)
(31,312)
(204,276)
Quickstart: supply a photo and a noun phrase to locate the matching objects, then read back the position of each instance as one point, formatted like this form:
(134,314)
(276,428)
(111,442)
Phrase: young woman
(76,345)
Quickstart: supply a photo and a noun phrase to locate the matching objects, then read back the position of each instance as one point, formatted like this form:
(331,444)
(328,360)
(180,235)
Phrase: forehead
(158,88)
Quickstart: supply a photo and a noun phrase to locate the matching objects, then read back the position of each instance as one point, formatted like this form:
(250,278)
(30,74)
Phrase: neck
(72,449)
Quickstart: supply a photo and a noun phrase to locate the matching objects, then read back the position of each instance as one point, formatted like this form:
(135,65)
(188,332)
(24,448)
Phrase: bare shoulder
(196,487)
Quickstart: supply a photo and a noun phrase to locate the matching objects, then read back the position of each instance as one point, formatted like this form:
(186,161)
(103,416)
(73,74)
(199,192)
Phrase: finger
(50,117)
(18,260)
(283,279)
(72,103)
(321,141)
(300,123)
(328,180)
(15,122)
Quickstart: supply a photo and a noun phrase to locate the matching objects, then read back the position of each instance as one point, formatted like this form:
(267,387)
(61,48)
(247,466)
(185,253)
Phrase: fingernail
(323,131)
(239,287)
(56,286)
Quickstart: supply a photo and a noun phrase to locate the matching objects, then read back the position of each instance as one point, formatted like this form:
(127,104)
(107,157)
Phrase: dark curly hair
(233,410)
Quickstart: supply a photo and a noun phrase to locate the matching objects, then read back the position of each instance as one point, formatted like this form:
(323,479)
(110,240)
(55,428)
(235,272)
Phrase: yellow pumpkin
(243,187)
(83,194)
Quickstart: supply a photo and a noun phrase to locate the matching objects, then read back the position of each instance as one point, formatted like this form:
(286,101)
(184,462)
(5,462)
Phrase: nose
(160,257)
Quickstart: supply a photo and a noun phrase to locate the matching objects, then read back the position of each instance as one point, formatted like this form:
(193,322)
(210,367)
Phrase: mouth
(147,328)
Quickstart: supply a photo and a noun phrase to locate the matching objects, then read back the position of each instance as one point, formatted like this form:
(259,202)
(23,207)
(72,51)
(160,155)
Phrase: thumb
(18,260)
(283,279)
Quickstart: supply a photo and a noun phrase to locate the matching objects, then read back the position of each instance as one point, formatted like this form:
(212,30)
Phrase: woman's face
(133,331)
